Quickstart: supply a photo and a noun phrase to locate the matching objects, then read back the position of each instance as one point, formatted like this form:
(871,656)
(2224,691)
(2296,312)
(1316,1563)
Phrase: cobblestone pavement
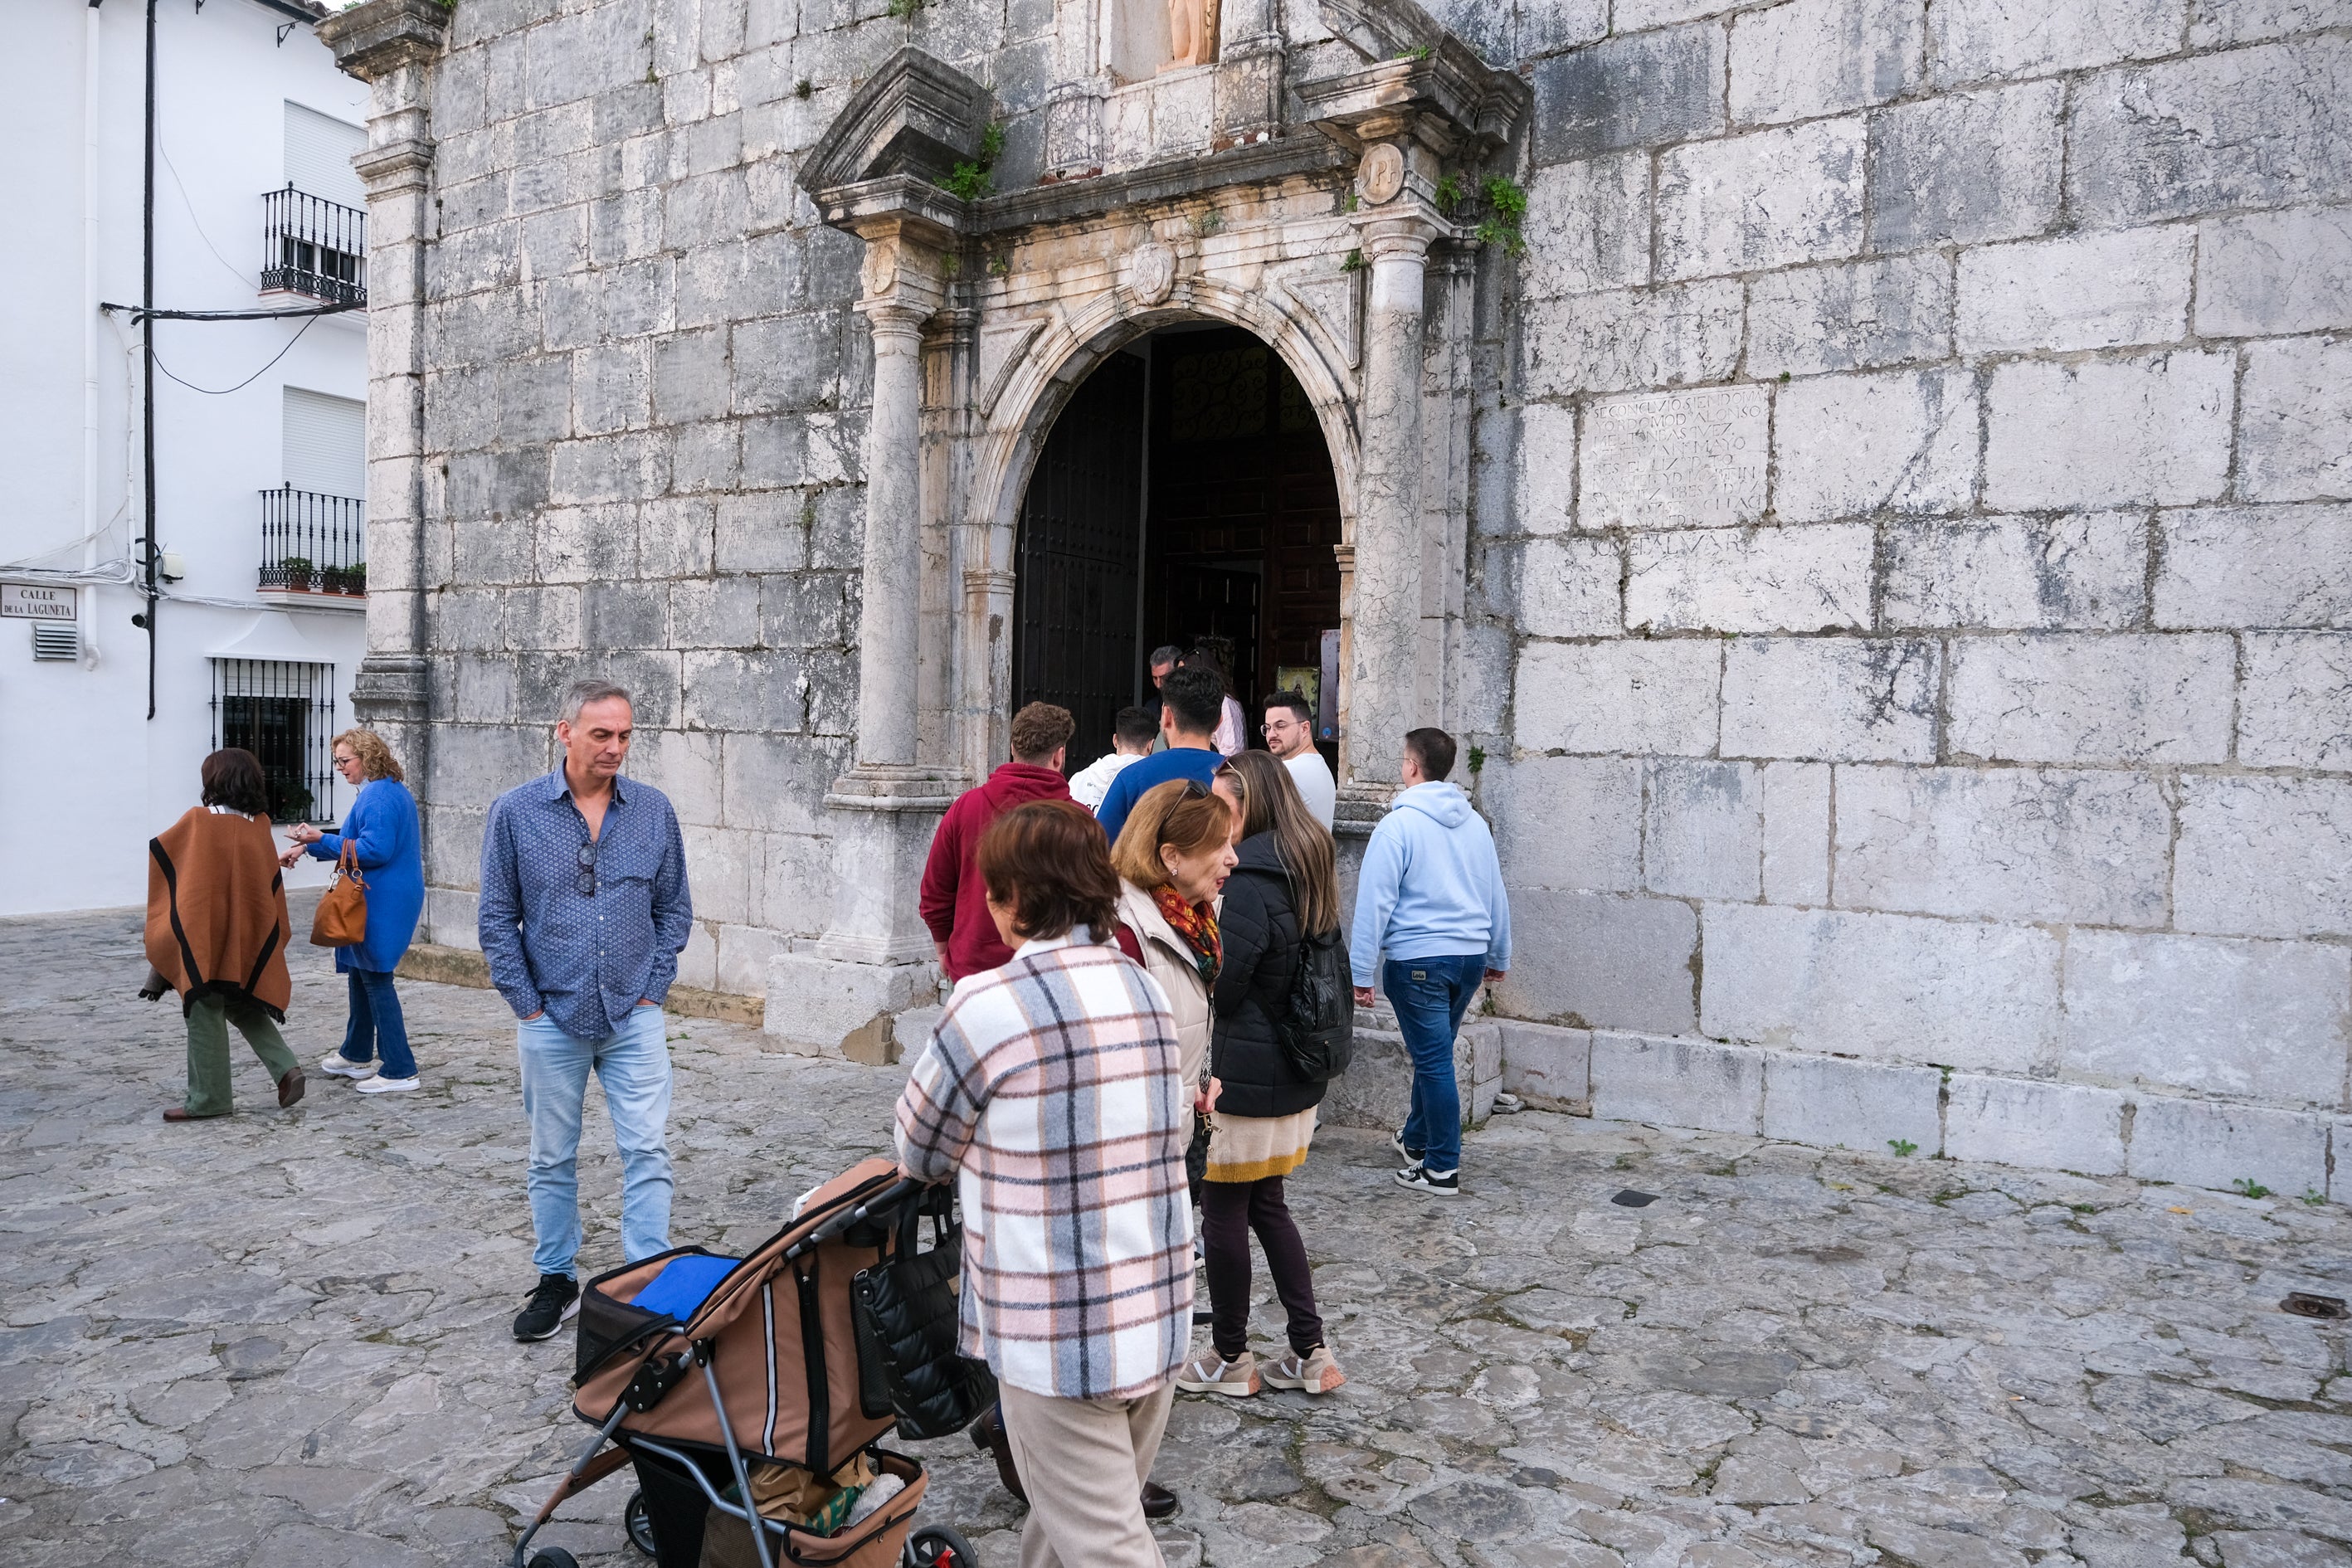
(281,1339)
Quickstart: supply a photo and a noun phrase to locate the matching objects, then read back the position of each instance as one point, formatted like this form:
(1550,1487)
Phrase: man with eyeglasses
(1289,732)
(584,909)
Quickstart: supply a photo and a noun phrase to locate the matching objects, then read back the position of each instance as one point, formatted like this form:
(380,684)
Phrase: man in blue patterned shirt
(584,909)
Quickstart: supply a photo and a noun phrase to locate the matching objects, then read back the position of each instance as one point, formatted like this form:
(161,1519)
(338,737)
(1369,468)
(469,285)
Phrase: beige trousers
(1084,1462)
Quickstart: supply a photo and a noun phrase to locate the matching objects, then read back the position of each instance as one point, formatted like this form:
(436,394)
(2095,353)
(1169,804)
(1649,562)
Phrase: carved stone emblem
(1151,273)
(1382,175)
(881,269)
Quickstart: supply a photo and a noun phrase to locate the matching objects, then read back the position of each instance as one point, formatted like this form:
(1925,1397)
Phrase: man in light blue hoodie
(1431,901)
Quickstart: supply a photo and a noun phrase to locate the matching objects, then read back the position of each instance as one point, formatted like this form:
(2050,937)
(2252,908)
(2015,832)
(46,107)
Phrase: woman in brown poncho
(216,932)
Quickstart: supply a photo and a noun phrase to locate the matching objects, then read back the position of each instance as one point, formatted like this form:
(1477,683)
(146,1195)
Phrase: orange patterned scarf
(1197,924)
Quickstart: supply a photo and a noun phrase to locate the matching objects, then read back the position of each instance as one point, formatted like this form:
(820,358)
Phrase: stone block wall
(1927,577)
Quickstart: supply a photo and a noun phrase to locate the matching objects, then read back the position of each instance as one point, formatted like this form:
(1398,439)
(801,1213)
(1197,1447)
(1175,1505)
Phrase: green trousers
(208,1023)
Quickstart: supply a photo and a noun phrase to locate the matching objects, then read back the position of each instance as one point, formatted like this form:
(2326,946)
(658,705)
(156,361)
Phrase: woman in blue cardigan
(381,824)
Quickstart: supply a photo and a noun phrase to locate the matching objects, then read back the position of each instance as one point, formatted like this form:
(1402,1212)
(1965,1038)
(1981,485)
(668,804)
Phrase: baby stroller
(712,1376)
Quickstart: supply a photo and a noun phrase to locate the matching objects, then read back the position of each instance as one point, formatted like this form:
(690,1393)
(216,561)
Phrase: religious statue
(1192,33)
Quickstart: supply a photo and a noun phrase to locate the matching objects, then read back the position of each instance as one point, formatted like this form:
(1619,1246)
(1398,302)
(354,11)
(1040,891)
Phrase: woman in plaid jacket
(1051,1090)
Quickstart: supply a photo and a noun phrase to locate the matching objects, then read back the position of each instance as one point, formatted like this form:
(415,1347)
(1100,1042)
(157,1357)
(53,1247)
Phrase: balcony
(314,543)
(314,247)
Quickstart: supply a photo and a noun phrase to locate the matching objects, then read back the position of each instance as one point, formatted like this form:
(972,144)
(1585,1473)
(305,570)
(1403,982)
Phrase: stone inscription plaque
(1674,459)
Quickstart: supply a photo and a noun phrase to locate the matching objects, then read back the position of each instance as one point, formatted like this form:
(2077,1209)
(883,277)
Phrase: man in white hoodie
(1430,903)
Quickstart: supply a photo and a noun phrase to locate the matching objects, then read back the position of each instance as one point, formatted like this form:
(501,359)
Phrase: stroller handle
(888,1198)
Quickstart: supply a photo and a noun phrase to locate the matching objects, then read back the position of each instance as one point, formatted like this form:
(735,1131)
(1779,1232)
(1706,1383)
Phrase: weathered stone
(1839,1104)
(2266,126)
(2103,432)
(2264,857)
(1570,588)
(2294,421)
(1977,39)
(1676,1083)
(2041,844)
(1796,833)
(2256,566)
(1547,1067)
(1527,800)
(1853,444)
(2200,1143)
(1546,449)
(2265,273)
(2263,1020)
(1663,460)
(1849,315)
(1749,580)
(2295,702)
(2020,1121)
(1880,986)
(1703,829)
(2084,292)
(2068,573)
(1624,695)
(2278,1549)
(1606,962)
(1587,226)
(1823,56)
(2054,697)
(1965,168)
(1767,199)
(1829,698)
(1668,336)
(1634,92)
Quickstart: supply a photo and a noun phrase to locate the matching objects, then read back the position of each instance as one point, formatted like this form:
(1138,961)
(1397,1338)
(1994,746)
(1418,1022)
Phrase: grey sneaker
(337,1064)
(1208,1374)
(1314,1372)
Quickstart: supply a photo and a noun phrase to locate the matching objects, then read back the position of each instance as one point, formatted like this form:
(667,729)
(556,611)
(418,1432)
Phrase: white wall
(84,778)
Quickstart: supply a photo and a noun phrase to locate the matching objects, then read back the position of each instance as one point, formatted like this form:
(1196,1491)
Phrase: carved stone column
(887,637)
(1397,226)
(391,45)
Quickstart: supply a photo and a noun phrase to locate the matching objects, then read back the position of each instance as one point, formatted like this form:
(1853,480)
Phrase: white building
(258,429)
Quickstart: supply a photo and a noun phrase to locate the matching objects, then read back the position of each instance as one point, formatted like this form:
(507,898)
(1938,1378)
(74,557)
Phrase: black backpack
(1316,1022)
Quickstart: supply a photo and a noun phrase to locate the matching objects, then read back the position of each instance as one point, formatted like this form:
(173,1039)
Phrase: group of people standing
(217,927)
(1085,1106)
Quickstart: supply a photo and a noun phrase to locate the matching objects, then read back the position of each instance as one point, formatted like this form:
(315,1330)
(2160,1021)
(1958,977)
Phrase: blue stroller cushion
(683,1285)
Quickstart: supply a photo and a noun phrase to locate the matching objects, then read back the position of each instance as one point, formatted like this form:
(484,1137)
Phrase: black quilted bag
(908,1362)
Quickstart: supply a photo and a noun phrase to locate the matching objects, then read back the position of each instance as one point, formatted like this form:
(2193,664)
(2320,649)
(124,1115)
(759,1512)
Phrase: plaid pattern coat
(1051,1088)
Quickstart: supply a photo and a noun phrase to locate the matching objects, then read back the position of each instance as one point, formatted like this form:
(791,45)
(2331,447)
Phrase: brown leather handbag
(341,919)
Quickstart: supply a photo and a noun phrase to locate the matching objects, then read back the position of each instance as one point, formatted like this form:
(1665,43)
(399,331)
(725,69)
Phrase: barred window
(284,714)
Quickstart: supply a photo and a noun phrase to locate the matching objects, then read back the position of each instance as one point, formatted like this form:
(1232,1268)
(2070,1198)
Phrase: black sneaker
(1396,1142)
(555,1299)
(1421,1179)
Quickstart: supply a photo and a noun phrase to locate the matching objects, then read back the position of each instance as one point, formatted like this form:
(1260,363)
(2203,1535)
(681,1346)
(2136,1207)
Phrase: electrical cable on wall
(249,380)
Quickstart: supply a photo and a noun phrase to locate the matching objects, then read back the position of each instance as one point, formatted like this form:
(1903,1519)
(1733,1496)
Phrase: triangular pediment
(917,116)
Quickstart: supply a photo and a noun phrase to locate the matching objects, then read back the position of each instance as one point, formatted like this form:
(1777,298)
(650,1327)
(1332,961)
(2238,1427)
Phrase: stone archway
(1327,240)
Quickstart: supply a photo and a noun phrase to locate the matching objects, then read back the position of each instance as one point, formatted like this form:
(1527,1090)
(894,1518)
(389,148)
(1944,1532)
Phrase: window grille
(314,543)
(284,714)
(314,246)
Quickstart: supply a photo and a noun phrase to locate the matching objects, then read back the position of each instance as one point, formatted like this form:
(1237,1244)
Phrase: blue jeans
(633,1065)
(376,1027)
(1429,995)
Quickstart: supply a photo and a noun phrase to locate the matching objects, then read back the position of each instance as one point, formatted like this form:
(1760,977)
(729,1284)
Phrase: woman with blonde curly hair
(381,830)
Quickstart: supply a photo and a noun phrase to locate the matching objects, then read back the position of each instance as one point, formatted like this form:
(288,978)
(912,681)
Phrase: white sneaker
(337,1064)
(382,1085)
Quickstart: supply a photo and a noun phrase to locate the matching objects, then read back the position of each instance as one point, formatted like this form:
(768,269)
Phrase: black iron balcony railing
(314,543)
(313,247)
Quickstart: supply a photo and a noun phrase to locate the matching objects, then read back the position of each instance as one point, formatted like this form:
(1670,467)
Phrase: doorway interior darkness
(1184,496)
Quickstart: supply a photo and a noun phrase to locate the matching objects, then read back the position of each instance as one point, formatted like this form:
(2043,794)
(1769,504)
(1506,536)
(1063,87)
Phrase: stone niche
(1323,236)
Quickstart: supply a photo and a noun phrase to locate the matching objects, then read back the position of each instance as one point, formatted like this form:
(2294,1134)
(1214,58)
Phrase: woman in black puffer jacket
(1264,1114)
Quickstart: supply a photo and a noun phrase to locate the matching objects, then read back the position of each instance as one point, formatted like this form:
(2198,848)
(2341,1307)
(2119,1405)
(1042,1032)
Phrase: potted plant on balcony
(294,573)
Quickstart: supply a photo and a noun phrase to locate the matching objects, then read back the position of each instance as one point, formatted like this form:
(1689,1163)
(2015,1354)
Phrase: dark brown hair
(1181,812)
(1039,731)
(1304,850)
(1047,859)
(1434,750)
(232,778)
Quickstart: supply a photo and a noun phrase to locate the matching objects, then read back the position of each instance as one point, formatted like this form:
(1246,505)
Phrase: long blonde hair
(1304,850)
(375,758)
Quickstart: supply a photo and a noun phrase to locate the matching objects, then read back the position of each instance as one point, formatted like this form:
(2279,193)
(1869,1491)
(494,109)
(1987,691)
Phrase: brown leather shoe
(1159,1502)
(290,1087)
(179,1114)
(988,1436)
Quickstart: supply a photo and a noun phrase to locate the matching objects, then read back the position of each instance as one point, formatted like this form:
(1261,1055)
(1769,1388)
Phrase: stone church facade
(1879,519)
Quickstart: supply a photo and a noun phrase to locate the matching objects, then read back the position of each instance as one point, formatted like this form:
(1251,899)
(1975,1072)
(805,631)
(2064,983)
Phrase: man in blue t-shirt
(1192,702)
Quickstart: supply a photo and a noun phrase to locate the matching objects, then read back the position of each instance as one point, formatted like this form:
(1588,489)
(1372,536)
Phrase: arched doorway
(1185,497)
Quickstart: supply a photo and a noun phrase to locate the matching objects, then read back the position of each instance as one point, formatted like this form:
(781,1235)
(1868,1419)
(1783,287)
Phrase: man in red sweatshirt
(955,900)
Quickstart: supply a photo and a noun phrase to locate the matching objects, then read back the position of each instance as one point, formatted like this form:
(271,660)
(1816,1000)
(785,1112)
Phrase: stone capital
(395,164)
(379,37)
